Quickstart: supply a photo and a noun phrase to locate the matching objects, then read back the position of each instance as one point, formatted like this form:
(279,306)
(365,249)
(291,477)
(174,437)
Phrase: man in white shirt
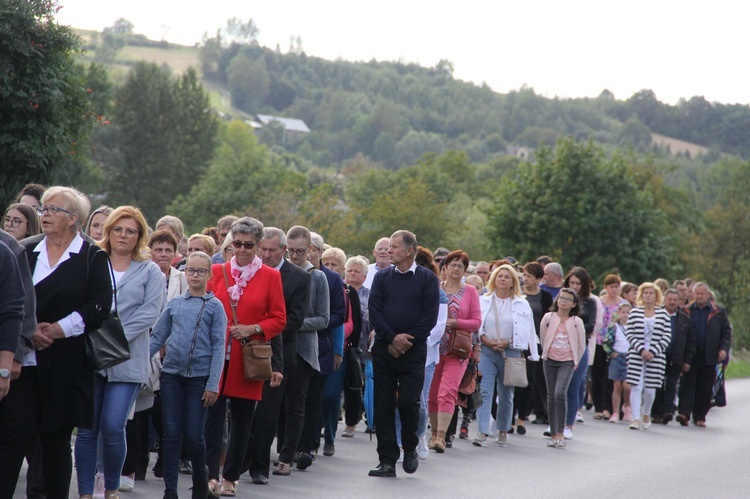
(382,261)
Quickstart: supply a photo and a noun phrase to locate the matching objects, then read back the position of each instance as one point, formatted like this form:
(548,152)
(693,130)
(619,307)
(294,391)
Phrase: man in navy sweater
(404,302)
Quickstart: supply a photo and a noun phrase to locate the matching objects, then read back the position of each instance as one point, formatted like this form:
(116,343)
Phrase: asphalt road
(603,460)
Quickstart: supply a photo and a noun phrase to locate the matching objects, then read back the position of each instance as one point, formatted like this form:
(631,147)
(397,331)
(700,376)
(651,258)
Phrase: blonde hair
(208,242)
(141,250)
(516,290)
(649,285)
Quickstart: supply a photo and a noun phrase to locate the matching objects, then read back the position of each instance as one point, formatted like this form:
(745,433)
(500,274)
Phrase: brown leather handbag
(460,344)
(256,354)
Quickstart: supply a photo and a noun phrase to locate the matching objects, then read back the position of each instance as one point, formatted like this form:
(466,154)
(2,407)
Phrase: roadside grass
(739,365)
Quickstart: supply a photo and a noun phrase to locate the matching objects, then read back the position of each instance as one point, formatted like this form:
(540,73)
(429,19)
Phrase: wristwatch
(4,373)
(258,330)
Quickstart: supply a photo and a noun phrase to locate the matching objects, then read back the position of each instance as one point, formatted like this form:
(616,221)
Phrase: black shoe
(521,430)
(158,469)
(185,467)
(540,420)
(260,480)
(304,460)
(588,406)
(666,418)
(170,494)
(370,430)
(140,475)
(384,470)
(329,450)
(411,461)
(511,431)
(449,441)
(200,487)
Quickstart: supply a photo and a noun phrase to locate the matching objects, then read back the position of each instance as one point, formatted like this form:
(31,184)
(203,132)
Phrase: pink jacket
(576,334)
(469,314)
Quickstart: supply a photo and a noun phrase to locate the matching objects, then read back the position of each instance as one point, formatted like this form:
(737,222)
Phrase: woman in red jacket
(254,291)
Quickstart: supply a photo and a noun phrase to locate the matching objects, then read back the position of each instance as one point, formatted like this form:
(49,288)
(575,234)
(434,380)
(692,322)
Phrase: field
(676,146)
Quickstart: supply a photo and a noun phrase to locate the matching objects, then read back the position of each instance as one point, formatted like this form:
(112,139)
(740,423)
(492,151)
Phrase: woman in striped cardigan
(648,332)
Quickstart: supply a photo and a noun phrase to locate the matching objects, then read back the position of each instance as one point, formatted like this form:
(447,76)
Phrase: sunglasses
(239,244)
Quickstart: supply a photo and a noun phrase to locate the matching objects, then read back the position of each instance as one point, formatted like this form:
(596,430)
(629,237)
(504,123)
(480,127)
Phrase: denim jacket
(192,351)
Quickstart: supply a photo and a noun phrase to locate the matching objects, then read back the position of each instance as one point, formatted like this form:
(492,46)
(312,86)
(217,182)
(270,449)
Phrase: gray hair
(554,268)
(336,253)
(77,203)
(248,226)
(226,221)
(174,224)
(317,240)
(272,232)
(409,239)
(358,260)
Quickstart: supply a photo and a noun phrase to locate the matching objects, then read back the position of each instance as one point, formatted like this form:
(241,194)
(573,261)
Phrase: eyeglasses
(239,244)
(51,210)
(198,272)
(456,266)
(119,231)
(565,299)
(13,222)
(299,252)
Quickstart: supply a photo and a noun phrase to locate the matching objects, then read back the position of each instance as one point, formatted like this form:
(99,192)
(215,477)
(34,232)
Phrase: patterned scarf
(242,275)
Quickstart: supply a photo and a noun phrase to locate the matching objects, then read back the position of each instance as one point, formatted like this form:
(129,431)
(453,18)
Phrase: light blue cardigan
(140,300)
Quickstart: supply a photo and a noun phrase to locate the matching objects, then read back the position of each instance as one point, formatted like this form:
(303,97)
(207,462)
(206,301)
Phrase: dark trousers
(214,435)
(264,426)
(696,387)
(18,428)
(294,409)
(540,391)
(665,396)
(310,440)
(523,398)
(601,385)
(405,376)
(240,425)
(34,474)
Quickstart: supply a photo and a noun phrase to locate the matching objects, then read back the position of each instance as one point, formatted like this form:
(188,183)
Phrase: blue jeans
(183,416)
(576,390)
(492,366)
(112,404)
(331,400)
(429,372)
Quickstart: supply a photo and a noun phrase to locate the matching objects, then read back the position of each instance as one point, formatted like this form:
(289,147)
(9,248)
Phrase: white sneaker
(480,441)
(502,440)
(401,457)
(422,451)
(568,433)
(579,417)
(127,484)
(548,432)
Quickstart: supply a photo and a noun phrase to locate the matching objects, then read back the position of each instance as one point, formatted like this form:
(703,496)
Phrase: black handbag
(354,378)
(107,346)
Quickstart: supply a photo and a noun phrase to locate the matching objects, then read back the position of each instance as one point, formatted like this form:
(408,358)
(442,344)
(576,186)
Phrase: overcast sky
(575,48)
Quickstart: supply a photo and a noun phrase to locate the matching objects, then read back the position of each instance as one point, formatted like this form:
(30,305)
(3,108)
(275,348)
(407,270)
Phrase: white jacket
(524,333)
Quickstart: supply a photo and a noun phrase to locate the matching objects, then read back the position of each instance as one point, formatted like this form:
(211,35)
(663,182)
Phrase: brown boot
(433,428)
(444,421)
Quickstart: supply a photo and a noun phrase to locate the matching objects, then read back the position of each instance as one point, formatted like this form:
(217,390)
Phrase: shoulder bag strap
(232,303)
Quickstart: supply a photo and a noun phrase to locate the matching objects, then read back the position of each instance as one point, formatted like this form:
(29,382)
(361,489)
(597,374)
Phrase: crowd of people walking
(245,335)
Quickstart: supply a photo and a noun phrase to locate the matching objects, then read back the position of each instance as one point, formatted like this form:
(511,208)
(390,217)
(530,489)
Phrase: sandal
(213,488)
(228,488)
(598,415)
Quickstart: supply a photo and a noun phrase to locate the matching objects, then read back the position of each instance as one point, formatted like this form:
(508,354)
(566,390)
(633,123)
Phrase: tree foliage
(579,206)
(166,133)
(43,103)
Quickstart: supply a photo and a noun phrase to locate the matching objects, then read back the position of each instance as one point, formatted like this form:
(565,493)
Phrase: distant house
(294,129)
(525,153)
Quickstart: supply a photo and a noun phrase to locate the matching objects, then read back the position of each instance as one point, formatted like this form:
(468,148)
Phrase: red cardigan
(262,302)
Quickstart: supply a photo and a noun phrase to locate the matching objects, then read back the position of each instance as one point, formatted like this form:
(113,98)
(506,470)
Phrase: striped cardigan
(635,332)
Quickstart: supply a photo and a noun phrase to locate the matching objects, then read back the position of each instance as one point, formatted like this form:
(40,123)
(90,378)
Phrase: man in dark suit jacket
(679,354)
(713,336)
(296,284)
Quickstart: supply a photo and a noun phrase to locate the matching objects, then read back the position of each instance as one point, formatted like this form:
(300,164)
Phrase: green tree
(43,101)
(583,208)
(248,82)
(724,245)
(167,134)
(241,180)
